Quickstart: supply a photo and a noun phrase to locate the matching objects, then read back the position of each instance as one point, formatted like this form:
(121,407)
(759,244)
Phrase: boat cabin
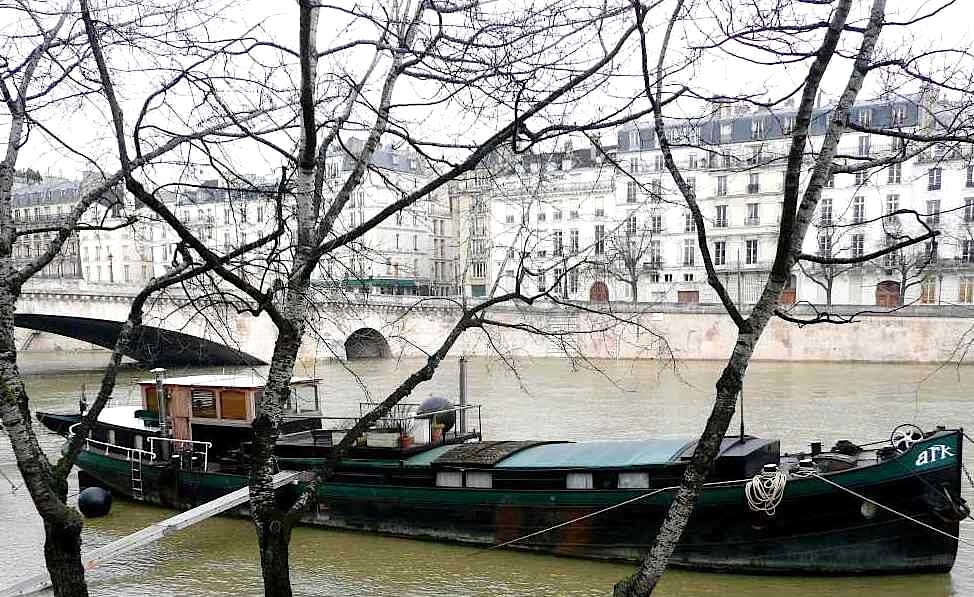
(220,409)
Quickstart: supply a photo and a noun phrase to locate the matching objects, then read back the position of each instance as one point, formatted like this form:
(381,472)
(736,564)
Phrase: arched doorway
(367,343)
(888,293)
(599,292)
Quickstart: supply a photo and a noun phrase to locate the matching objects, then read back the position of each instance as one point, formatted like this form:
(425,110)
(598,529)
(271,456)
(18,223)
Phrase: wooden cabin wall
(233,405)
(180,411)
(149,400)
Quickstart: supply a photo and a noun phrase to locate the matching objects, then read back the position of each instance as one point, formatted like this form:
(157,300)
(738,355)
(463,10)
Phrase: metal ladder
(137,476)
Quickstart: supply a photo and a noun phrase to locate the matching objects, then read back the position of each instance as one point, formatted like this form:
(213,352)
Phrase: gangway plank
(149,534)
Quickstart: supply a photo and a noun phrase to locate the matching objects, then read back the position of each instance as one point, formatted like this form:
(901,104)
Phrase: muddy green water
(543,399)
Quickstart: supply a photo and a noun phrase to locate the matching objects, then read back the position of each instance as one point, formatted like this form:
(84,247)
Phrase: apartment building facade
(407,252)
(736,164)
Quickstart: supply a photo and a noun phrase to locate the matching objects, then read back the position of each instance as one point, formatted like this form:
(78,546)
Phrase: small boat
(59,423)
(425,472)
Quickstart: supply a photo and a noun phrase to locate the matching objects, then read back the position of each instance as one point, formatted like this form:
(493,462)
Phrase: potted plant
(403,415)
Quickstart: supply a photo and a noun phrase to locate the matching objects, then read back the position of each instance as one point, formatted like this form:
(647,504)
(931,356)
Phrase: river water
(538,399)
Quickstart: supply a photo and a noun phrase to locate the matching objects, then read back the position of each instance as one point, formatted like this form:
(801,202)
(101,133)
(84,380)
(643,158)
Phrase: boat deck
(318,443)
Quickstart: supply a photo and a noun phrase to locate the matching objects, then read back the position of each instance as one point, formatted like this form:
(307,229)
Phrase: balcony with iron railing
(517,189)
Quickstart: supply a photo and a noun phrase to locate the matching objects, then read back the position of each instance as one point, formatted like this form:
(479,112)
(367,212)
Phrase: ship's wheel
(905,436)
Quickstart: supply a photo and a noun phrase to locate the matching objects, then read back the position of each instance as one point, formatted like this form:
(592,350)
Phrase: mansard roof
(739,128)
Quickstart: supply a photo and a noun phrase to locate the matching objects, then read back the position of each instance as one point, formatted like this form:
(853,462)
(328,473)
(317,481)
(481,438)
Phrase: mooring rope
(800,474)
(887,508)
(589,515)
(13,487)
(765,491)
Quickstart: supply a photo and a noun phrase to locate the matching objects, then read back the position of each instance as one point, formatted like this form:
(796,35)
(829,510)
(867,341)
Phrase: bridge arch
(367,343)
(151,346)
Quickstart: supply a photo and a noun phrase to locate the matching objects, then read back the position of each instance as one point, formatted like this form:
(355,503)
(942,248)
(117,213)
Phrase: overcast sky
(80,123)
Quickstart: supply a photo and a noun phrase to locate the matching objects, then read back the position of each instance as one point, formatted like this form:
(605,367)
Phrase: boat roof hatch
(597,454)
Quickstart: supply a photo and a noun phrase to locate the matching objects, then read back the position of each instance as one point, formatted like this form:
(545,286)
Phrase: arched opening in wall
(599,292)
(888,293)
(367,343)
(789,295)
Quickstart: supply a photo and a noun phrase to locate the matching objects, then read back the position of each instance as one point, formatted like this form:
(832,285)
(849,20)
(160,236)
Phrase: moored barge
(425,472)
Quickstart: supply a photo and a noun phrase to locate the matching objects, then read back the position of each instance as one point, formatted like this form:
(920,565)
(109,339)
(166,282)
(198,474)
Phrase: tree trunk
(62,554)
(274,538)
(728,387)
(62,524)
(272,523)
(635,291)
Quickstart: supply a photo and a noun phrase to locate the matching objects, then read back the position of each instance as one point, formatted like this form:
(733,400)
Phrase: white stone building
(549,218)
(99,256)
(395,257)
(736,163)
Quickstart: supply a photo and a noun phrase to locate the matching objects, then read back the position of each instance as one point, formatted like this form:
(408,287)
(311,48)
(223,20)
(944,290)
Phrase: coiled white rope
(765,491)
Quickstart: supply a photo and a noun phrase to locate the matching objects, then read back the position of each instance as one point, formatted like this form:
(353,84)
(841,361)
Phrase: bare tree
(632,253)
(813,37)
(41,78)
(446,47)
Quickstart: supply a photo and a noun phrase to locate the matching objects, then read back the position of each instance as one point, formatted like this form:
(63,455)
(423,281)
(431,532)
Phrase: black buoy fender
(95,502)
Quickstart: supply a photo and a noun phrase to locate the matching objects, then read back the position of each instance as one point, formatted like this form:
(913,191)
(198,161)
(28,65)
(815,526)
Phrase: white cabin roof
(123,416)
(224,381)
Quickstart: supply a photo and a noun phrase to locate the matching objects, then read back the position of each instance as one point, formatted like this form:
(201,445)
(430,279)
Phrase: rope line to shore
(13,486)
(603,510)
(662,489)
(589,515)
(887,508)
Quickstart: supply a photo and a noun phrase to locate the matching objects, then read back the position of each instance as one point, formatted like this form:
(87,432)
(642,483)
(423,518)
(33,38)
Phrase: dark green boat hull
(818,529)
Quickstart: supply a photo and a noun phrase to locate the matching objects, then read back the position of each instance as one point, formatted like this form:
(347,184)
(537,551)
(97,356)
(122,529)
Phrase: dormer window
(865,117)
(898,116)
(757,129)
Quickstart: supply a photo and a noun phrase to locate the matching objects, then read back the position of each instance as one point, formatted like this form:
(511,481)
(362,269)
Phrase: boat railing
(188,448)
(402,430)
(110,449)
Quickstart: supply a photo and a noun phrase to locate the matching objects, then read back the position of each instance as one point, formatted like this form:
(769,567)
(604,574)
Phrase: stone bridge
(175,333)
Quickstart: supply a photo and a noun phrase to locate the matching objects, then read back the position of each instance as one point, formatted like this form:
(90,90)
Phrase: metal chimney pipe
(161,400)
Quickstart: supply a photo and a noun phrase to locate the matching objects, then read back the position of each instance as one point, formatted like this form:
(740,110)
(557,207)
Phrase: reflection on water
(546,399)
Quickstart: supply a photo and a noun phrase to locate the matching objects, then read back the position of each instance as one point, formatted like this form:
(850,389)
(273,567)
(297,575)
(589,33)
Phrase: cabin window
(578,481)
(449,479)
(204,404)
(633,480)
(233,405)
(479,479)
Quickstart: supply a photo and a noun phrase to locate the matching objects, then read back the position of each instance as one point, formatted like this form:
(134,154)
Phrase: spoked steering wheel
(905,436)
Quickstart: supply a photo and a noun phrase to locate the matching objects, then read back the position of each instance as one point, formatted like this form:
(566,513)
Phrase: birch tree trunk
(272,521)
(797,210)
(62,524)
